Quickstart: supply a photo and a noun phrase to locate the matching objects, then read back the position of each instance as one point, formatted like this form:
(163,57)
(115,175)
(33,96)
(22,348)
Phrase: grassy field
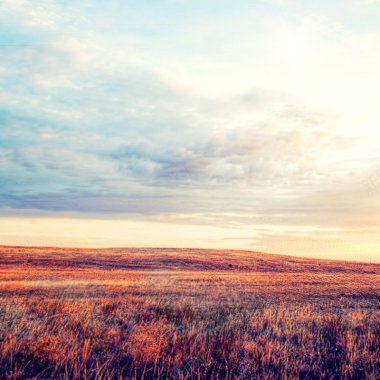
(185,314)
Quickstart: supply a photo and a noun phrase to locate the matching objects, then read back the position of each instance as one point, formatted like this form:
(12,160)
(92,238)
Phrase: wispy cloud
(262,116)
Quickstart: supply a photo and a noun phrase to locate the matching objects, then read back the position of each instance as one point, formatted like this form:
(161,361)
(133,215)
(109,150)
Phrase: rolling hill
(176,259)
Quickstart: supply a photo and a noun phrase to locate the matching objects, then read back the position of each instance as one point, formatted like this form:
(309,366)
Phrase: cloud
(102,117)
(78,127)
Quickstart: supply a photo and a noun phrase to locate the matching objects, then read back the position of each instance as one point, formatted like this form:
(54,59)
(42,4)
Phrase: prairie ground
(185,314)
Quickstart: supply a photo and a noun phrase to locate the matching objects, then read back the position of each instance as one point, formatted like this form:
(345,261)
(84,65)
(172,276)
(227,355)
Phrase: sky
(175,123)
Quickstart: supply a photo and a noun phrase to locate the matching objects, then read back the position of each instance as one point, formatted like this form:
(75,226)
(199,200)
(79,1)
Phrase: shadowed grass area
(114,314)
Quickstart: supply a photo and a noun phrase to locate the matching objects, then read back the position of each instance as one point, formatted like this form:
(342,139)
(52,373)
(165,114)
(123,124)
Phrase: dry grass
(177,314)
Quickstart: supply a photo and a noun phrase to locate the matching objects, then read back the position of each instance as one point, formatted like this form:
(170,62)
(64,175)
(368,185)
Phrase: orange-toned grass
(76,315)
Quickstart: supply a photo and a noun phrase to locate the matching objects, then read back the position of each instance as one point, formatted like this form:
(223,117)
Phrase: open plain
(185,314)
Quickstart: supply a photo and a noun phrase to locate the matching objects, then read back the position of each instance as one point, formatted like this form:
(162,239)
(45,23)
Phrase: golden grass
(114,314)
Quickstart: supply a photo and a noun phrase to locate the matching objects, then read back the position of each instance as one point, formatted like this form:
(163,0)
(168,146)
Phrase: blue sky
(244,124)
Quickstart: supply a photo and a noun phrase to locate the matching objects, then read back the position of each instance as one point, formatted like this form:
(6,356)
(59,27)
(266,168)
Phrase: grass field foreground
(185,314)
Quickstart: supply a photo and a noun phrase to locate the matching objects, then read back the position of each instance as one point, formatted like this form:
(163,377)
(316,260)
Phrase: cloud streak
(118,111)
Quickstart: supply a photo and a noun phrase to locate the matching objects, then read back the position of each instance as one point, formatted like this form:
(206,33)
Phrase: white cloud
(209,117)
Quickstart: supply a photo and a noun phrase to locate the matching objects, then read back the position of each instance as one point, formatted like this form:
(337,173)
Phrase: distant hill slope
(175,259)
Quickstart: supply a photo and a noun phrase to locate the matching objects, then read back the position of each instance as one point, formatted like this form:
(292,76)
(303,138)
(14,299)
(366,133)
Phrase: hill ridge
(196,259)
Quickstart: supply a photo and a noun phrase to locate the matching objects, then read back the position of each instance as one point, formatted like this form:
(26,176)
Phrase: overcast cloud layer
(258,117)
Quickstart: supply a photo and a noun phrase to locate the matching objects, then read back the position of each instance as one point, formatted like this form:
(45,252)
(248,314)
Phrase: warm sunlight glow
(189,189)
(81,232)
(294,45)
